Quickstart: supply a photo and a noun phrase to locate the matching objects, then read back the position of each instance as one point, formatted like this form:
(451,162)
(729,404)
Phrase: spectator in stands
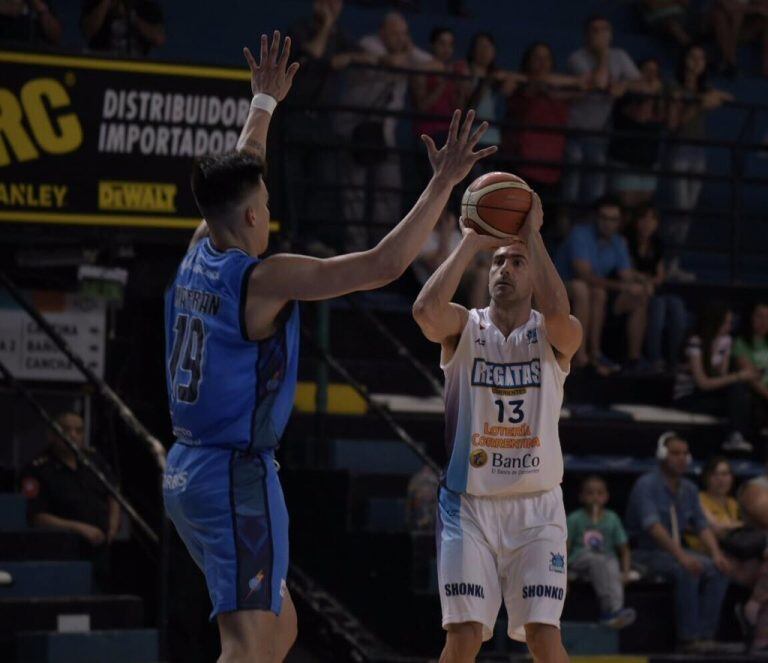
(735,21)
(382,90)
(63,494)
(594,262)
(595,539)
(638,120)
(751,352)
(542,99)
(753,501)
(609,73)
(664,506)
(420,512)
(435,93)
(489,85)
(692,99)
(29,21)
(668,18)
(704,382)
(667,317)
(322,48)
(446,236)
(122,27)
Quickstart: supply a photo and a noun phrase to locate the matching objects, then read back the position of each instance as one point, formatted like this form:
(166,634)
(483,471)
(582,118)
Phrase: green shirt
(756,352)
(604,536)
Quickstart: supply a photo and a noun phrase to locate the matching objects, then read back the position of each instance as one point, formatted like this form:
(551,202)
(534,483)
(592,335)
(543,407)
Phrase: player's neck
(223,240)
(508,318)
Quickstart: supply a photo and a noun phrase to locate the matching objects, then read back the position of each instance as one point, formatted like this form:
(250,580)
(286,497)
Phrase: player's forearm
(548,288)
(399,248)
(253,137)
(440,288)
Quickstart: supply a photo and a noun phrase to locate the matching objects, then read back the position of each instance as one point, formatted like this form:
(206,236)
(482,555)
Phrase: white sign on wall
(30,354)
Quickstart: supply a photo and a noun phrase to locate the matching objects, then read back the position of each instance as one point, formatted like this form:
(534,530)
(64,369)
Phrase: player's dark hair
(221,182)
(439,32)
(591,477)
(525,61)
(607,200)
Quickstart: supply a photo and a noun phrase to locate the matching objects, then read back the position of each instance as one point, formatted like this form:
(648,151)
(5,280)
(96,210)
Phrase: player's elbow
(385,268)
(426,315)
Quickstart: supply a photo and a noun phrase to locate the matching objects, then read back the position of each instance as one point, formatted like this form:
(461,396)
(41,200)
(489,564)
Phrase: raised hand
(535,217)
(272,75)
(455,159)
(483,242)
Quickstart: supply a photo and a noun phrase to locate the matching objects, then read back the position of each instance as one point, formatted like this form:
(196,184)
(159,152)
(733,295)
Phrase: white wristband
(264,102)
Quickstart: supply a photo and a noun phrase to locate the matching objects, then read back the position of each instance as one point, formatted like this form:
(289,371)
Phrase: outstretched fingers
(250,60)
(431,147)
(486,152)
(468,120)
(286,53)
(453,129)
(478,134)
(264,54)
(273,51)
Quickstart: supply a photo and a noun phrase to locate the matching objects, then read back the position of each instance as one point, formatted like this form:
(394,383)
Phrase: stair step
(115,646)
(38,579)
(41,613)
(13,512)
(39,544)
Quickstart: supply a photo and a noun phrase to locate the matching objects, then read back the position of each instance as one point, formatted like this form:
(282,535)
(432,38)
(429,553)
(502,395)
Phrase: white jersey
(502,405)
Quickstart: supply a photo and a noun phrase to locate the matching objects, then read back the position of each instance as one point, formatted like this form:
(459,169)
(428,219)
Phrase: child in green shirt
(595,535)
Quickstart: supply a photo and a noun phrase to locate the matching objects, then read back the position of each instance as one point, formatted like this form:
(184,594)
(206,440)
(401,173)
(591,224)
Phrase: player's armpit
(564,334)
(440,324)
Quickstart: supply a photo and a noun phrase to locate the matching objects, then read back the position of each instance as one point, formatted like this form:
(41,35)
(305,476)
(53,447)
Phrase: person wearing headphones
(663,507)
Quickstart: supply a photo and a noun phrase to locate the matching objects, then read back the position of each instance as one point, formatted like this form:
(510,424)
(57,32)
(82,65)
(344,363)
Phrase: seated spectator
(608,73)
(542,99)
(29,22)
(735,21)
(322,49)
(594,261)
(704,382)
(122,27)
(753,615)
(638,121)
(663,507)
(668,18)
(595,539)
(63,494)
(692,99)
(473,290)
(379,206)
(489,85)
(420,513)
(667,317)
(751,352)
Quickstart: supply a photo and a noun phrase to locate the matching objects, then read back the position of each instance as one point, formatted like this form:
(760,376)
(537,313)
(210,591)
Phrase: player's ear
(250,216)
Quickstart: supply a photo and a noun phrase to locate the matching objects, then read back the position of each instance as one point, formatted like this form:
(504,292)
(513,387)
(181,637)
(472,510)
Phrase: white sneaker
(620,618)
(6,578)
(736,442)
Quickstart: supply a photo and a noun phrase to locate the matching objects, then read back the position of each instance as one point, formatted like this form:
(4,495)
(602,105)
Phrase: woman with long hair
(706,384)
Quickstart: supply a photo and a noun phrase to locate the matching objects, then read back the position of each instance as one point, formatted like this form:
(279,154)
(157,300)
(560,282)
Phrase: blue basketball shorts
(228,508)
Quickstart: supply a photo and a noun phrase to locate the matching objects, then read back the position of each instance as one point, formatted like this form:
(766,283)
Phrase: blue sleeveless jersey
(224,390)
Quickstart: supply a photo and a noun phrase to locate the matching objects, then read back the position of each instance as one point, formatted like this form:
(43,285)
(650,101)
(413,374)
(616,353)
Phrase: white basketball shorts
(489,548)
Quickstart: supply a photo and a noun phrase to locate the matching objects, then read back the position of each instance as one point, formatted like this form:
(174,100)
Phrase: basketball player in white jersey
(501,532)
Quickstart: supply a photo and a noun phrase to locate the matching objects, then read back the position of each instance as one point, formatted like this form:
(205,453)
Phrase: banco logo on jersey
(506,376)
(464,589)
(543,591)
(478,458)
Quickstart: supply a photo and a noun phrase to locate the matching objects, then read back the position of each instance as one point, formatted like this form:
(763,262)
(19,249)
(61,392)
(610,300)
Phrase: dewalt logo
(39,120)
(137,196)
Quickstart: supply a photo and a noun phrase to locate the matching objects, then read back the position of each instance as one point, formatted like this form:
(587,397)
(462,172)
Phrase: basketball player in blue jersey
(502,530)
(232,342)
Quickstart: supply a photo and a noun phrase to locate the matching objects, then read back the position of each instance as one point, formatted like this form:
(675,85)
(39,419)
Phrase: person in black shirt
(667,317)
(63,494)
(124,27)
(28,21)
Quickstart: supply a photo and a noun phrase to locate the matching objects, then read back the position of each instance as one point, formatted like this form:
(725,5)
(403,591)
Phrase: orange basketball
(497,204)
